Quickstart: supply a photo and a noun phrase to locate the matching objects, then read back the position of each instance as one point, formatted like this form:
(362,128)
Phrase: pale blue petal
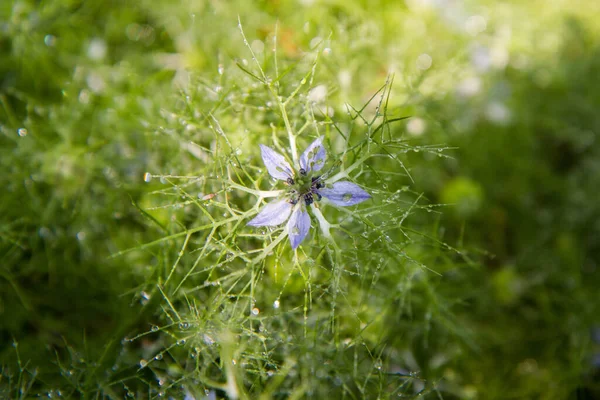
(314,156)
(344,194)
(273,214)
(276,165)
(298,226)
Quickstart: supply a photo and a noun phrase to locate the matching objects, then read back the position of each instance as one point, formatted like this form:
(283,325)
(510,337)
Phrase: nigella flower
(305,188)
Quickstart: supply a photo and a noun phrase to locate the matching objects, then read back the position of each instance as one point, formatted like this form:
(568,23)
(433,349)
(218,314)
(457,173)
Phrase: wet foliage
(130,138)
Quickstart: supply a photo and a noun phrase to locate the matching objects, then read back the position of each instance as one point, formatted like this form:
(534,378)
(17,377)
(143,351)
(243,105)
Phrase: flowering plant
(304,188)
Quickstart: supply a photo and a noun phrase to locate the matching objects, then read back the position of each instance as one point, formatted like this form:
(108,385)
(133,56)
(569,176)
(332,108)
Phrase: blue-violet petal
(298,226)
(344,194)
(314,156)
(276,165)
(273,214)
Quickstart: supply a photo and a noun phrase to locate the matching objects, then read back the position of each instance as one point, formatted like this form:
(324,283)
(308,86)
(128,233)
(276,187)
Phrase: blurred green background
(86,93)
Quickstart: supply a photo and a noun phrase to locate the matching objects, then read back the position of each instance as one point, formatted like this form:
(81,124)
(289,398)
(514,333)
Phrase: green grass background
(472,274)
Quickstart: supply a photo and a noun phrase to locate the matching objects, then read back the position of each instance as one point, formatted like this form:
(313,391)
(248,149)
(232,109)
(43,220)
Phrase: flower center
(305,189)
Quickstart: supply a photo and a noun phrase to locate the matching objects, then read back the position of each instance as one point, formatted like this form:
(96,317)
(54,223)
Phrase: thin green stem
(258,193)
(344,173)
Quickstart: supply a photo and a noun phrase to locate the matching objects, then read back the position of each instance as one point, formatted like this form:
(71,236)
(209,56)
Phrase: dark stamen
(316,182)
(290,181)
(308,199)
(302,172)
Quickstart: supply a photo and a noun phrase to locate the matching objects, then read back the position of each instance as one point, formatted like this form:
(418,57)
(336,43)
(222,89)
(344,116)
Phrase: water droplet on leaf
(184,325)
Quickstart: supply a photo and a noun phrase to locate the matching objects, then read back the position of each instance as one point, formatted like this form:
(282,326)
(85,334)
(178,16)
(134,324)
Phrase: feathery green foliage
(129,141)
